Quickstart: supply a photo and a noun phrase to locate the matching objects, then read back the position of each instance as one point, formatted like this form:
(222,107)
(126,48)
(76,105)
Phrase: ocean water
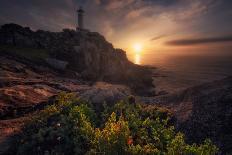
(176,72)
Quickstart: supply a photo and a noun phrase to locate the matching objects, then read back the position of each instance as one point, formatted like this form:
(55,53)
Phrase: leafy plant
(69,127)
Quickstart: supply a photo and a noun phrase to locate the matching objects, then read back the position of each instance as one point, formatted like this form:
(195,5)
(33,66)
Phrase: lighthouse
(80,14)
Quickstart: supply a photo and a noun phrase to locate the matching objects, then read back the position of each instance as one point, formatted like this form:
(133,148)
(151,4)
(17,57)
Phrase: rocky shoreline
(77,54)
(25,90)
(36,66)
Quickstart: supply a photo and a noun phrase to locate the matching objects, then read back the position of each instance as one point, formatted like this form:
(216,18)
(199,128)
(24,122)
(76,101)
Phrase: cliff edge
(76,54)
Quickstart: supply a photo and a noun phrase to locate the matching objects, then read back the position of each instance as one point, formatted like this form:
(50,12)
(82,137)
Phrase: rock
(57,64)
(13,34)
(87,53)
(28,85)
(162,92)
(21,97)
(103,92)
(24,89)
(202,112)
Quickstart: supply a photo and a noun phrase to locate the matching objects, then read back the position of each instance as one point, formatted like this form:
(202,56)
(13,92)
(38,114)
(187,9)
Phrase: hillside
(76,54)
(35,66)
(202,111)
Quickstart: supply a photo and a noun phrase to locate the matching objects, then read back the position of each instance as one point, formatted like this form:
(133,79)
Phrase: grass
(35,55)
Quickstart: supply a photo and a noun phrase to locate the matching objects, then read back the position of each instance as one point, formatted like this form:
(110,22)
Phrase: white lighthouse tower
(80,14)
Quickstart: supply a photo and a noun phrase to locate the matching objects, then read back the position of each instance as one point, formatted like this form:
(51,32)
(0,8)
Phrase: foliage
(35,55)
(59,128)
(69,127)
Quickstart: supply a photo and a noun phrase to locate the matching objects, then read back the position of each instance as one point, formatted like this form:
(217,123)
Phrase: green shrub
(35,55)
(59,129)
(69,127)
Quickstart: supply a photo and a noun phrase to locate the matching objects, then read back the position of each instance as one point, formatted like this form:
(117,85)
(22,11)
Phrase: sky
(156,25)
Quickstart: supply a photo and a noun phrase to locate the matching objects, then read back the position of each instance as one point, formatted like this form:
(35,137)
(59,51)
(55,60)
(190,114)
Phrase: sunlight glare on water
(137,59)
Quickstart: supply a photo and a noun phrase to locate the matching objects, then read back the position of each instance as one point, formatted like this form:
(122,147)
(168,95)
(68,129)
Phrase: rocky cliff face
(86,53)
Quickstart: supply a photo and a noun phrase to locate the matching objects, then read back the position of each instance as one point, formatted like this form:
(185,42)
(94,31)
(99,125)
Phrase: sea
(177,72)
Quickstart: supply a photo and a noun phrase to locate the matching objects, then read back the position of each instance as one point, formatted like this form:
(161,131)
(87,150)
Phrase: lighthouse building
(80,16)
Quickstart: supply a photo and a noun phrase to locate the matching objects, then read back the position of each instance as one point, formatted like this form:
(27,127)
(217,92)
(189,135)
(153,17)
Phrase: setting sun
(137,47)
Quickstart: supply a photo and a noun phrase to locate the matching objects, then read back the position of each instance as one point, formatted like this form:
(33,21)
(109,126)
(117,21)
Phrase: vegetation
(35,55)
(73,126)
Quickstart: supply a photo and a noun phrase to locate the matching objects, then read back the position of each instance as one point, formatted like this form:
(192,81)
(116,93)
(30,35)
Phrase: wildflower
(130,141)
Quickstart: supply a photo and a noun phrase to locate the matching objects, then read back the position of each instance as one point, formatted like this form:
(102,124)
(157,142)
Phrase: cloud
(39,14)
(133,14)
(120,13)
(187,42)
(121,21)
(117,4)
(158,37)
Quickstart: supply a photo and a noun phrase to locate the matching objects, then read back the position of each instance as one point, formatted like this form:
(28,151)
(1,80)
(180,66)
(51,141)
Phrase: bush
(69,127)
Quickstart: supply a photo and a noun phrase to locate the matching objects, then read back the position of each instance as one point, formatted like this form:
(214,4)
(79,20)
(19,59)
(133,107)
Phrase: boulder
(57,64)
(104,92)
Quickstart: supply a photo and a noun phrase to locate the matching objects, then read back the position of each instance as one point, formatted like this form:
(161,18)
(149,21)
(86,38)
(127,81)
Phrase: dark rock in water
(87,53)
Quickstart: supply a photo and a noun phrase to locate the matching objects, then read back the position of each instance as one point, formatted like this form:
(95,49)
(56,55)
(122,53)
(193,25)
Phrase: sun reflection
(137,59)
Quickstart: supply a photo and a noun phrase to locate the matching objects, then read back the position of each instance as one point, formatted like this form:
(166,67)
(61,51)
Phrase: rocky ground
(25,89)
(203,111)
(35,66)
(82,53)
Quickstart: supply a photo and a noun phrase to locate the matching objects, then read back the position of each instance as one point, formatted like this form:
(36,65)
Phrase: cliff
(77,54)
(27,86)
(35,66)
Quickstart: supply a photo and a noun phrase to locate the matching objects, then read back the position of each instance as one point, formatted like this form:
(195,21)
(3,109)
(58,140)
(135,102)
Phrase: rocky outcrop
(24,89)
(87,53)
(57,64)
(104,92)
(36,66)
(202,112)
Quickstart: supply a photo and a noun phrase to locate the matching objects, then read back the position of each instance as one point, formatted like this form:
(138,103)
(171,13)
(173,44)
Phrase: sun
(137,47)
